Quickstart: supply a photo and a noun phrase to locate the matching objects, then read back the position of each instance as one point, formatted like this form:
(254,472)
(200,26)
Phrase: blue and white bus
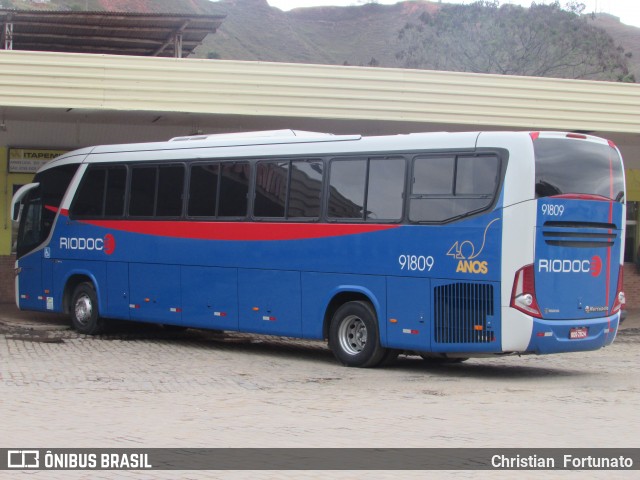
(447,245)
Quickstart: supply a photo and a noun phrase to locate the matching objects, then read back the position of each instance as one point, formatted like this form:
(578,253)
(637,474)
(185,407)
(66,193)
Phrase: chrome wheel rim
(352,335)
(83,309)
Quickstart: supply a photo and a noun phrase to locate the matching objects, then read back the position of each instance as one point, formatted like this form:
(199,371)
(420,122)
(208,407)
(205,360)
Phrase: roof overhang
(117,33)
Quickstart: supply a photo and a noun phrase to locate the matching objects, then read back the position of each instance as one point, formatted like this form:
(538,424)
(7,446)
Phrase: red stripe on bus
(608,275)
(53,209)
(249,231)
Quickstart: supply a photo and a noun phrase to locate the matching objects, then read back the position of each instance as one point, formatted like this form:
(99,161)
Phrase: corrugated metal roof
(119,33)
(220,87)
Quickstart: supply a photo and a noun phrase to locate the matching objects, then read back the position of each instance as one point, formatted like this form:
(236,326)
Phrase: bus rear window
(565,166)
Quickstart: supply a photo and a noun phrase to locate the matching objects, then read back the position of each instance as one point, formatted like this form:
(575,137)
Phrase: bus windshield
(566,166)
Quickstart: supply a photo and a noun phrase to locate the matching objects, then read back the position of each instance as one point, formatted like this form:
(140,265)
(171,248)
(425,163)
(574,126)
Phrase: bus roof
(289,143)
(266,143)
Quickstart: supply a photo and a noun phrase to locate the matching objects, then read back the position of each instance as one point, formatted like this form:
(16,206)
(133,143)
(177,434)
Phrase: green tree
(541,41)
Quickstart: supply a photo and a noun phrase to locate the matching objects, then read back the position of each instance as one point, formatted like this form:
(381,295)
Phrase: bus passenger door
(408,313)
(270,302)
(210,297)
(29,282)
(30,258)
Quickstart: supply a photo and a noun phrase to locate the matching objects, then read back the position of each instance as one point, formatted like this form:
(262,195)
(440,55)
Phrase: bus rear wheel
(353,335)
(85,317)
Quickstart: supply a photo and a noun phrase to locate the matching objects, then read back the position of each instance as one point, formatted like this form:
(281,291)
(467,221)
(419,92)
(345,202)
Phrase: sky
(627,10)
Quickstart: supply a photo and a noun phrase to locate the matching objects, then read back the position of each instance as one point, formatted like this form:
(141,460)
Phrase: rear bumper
(553,336)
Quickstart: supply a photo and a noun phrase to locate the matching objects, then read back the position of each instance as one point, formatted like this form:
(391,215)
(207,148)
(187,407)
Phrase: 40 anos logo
(556,265)
(466,254)
(106,244)
(472,266)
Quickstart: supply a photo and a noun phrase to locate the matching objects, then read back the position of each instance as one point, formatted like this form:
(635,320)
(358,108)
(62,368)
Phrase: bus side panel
(408,322)
(210,297)
(318,289)
(269,302)
(155,293)
(117,290)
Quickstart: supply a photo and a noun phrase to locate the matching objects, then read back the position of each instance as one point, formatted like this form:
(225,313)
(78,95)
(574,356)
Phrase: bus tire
(353,335)
(85,317)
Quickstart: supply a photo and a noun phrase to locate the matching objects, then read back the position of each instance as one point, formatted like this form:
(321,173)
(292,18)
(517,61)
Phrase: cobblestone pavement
(141,386)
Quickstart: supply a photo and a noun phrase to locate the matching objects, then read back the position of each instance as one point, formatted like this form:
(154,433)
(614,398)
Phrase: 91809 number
(416,263)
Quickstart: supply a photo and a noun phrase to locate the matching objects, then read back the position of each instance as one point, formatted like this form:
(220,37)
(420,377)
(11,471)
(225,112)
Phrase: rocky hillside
(359,35)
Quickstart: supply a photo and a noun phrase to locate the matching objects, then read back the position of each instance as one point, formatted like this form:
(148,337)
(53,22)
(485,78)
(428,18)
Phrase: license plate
(576,333)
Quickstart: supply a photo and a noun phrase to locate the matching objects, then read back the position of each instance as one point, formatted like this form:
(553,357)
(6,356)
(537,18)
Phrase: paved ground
(145,387)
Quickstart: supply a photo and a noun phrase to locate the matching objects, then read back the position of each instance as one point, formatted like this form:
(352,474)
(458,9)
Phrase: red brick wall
(632,285)
(7,284)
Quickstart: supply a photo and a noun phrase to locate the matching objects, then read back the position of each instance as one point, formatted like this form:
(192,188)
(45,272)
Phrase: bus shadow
(244,343)
(485,368)
(499,368)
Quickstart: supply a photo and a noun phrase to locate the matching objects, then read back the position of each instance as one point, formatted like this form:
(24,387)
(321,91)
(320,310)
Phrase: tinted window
(234,189)
(156,191)
(41,206)
(347,183)
(90,197)
(476,175)
(367,189)
(101,192)
(203,190)
(433,175)
(143,191)
(271,189)
(385,190)
(30,231)
(288,189)
(53,183)
(169,196)
(449,187)
(577,166)
(116,189)
(305,190)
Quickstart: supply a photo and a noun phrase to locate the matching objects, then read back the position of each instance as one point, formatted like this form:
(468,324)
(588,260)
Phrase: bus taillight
(523,294)
(580,136)
(620,298)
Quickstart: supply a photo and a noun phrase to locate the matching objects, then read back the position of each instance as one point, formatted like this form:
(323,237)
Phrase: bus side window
(170,187)
(347,180)
(305,189)
(385,193)
(272,179)
(89,200)
(367,189)
(448,187)
(101,193)
(116,190)
(288,189)
(234,189)
(156,191)
(203,190)
(143,191)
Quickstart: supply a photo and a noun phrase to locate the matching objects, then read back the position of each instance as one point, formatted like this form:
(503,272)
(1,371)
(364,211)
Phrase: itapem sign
(29,160)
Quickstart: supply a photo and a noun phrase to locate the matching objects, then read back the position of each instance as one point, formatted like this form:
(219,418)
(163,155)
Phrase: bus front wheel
(353,335)
(85,317)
